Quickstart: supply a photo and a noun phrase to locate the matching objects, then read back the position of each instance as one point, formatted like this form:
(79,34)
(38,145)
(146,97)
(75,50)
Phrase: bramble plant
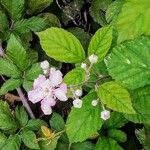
(75,75)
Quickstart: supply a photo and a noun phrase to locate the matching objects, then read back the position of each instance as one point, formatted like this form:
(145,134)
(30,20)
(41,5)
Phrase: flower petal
(46,108)
(60,94)
(35,95)
(63,87)
(55,78)
(38,81)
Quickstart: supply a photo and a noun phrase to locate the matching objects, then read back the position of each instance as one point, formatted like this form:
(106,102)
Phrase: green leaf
(101,42)
(17,53)
(117,135)
(141,103)
(35,6)
(113,10)
(27,85)
(21,115)
(143,136)
(4,108)
(10,85)
(61,45)
(49,144)
(3,22)
(35,124)
(29,139)
(83,37)
(87,145)
(13,143)
(115,97)
(137,24)
(83,123)
(50,19)
(33,72)
(96,10)
(107,144)
(129,63)
(14,8)
(3,139)
(8,69)
(7,122)
(34,24)
(75,76)
(117,120)
(57,123)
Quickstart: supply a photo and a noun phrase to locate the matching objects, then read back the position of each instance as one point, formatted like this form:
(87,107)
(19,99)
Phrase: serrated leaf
(143,136)
(14,8)
(75,76)
(96,10)
(35,124)
(141,103)
(115,97)
(49,144)
(117,120)
(83,123)
(33,72)
(8,69)
(61,45)
(3,22)
(137,24)
(27,85)
(3,139)
(87,145)
(35,6)
(17,53)
(51,20)
(101,42)
(113,10)
(129,63)
(21,115)
(10,85)
(29,139)
(107,144)
(117,135)
(12,143)
(83,37)
(57,123)
(34,24)
(7,122)
(4,108)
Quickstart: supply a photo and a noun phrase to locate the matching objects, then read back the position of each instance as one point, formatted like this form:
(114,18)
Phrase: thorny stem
(25,103)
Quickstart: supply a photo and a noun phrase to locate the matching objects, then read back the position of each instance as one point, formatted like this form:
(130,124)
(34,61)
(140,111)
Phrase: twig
(25,103)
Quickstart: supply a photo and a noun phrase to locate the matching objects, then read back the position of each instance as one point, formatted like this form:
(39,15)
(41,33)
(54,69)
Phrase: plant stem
(25,103)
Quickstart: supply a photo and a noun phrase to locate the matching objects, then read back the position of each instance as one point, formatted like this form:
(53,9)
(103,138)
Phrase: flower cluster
(48,88)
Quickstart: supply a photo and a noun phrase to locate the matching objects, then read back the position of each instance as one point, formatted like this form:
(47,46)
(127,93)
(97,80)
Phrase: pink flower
(48,90)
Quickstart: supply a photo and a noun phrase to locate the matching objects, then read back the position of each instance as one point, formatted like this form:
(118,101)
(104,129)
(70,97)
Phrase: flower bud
(45,72)
(44,65)
(83,66)
(94,102)
(77,103)
(105,114)
(78,92)
(93,59)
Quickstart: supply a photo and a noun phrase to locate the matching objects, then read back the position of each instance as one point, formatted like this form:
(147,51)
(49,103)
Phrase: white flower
(44,65)
(78,92)
(83,66)
(77,103)
(94,102)
(105,114)
(93,59)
